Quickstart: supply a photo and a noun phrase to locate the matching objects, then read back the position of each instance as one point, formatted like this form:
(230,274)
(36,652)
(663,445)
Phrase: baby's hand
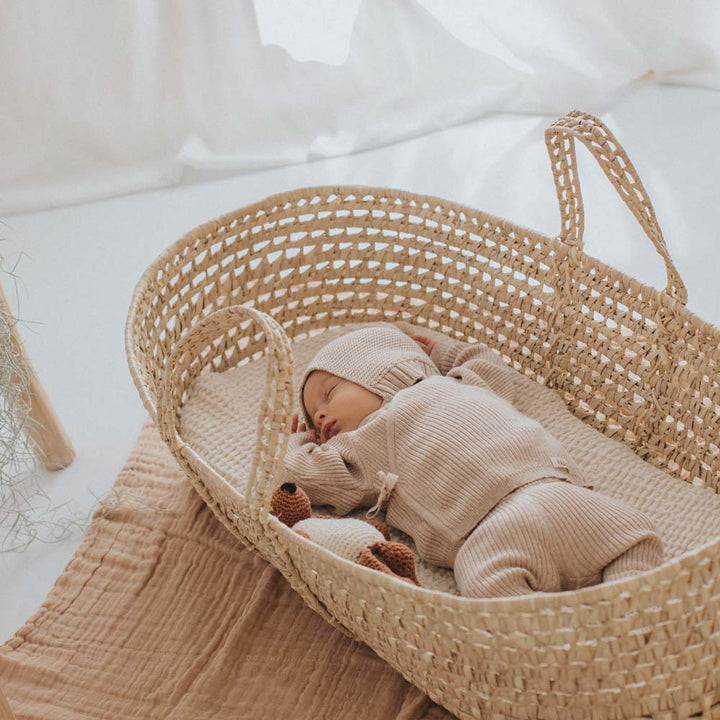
(425,343)
(302,428)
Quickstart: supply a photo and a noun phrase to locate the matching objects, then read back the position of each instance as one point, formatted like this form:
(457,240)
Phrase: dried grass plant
(27,513)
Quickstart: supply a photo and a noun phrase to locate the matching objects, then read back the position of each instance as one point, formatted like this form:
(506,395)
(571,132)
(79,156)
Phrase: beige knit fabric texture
(347,539)
(455,446)
(626,359)
(382,359)
(219,420)
(552,536)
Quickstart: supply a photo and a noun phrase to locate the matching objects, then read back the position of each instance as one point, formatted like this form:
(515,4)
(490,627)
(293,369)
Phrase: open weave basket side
(627,359)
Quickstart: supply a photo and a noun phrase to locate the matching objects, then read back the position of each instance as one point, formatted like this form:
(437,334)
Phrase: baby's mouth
(329,430)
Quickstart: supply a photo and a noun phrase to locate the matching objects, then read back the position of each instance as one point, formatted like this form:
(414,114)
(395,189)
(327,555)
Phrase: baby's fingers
(294,426)
(302,427)
(425,343)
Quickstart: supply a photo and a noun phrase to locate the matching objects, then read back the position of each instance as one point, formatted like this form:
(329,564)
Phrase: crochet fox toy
(366,543)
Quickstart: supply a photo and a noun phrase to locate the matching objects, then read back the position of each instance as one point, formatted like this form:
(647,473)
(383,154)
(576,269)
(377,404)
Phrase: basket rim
(709,331)
(589,595)
(221,220)
(525,603)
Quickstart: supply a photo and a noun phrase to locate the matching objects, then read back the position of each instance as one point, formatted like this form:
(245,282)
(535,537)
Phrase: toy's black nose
(289,487)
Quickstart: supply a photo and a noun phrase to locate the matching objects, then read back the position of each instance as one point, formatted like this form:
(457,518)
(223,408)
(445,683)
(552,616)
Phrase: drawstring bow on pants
(389,480)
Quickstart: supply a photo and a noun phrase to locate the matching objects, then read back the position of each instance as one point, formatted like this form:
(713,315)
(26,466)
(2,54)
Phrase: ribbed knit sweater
(443,449)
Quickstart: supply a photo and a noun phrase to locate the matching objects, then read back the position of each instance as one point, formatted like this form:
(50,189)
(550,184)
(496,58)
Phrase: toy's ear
(381,526)
(391,558)
(290,504)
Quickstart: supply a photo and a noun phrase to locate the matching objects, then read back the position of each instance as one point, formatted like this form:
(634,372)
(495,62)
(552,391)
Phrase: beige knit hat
(382,359)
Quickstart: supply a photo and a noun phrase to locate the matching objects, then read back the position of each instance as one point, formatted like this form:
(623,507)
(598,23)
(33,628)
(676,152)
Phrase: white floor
(80,264)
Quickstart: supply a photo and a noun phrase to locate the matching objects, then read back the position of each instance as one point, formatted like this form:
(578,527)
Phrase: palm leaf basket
(630,361)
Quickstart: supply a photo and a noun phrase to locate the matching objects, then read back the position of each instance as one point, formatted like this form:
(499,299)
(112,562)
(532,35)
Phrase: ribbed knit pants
(552,535)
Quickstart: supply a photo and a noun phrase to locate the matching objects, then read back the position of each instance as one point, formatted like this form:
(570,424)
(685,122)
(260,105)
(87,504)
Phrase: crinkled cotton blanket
(161,613)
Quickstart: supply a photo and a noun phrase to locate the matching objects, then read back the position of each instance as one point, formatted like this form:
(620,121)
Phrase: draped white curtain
(106,98)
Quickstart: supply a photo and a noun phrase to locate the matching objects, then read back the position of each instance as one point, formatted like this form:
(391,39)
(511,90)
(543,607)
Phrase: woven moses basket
(628,363)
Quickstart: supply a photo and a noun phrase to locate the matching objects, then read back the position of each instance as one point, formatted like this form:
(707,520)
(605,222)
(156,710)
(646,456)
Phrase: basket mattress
(220,419)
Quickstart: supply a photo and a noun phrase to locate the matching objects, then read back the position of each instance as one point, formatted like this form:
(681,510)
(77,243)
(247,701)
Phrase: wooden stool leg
(5,712)
(46,433)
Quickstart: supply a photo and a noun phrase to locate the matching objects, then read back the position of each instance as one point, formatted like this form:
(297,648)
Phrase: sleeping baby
(424,426)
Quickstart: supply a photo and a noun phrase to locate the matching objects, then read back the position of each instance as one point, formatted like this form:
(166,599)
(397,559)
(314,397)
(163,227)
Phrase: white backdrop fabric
(103,99)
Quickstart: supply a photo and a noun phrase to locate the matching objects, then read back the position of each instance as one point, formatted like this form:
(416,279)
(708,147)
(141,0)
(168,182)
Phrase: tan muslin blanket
(161,613)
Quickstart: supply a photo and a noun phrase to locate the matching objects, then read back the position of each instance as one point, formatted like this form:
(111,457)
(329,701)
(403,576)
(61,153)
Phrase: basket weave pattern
(629,360)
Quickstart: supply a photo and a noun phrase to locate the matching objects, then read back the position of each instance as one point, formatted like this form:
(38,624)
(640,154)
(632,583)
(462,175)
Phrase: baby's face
(337,405)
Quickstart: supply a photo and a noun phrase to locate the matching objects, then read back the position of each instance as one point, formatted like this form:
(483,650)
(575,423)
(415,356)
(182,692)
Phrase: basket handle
(607,151)
(214,340)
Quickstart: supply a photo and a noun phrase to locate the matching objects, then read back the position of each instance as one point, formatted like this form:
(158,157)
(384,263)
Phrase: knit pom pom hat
(382,359)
